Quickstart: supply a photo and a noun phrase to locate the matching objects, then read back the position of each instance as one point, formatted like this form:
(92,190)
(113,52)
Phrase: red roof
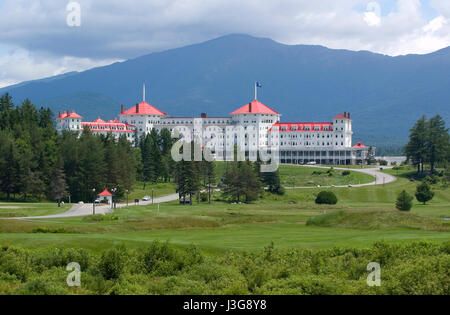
(359,145)
(105,193)
(144,109)
(255,107)
(341,116)
(302,127)
(110,126)
(99,121)
(68,114)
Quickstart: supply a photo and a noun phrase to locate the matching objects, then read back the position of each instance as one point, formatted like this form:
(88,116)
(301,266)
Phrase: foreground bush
(407,268)
(326,197)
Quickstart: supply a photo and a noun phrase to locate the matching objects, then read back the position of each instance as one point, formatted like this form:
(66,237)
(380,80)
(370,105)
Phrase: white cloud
(19,65)
(435,25)
(372,19)
(117,29)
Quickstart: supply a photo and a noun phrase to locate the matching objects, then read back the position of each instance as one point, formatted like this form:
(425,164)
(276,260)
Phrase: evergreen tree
(6,103)
(8,165)
(416,148)
(209,177)
(232,180)
(251,184)
(438,142)
(58,184)
(272,181)
(92,164)
(242,182)
(404,201)
(424,193)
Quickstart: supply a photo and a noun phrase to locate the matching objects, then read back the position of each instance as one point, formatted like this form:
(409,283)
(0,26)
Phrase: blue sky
(36,42)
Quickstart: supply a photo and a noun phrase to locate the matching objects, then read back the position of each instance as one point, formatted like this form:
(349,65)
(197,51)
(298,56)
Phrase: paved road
(81,210)
(380,177)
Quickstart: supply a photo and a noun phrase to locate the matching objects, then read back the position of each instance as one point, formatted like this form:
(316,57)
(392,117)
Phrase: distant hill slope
(385,95)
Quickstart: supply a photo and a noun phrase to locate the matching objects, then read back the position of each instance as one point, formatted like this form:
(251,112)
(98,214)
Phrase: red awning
(105,193)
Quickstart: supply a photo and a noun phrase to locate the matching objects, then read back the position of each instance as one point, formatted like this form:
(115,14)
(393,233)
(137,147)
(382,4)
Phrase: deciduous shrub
(432,180)
(45,229)
(112,263)
(42,286)
(101,217)
(407,268)
(326,197)
(162,259)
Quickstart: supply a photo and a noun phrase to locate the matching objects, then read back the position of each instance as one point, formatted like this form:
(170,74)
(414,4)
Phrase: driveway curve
(380,177)
(86,209)
(81,210)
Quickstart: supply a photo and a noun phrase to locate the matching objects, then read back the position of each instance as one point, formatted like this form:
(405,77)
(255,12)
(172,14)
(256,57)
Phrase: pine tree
(58,184)
(210,176)
(6,103)
(424,193)
(272,180)
(416,148)
(404,201)
(438,141)
(251,184)
(232,180)
(8,164)
(92,171)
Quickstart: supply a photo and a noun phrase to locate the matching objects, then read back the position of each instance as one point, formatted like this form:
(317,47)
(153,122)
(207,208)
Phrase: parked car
(97,200)
(311,163)
(146,198)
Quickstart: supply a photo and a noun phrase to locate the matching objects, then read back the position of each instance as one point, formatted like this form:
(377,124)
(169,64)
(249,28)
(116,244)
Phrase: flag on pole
(257,85)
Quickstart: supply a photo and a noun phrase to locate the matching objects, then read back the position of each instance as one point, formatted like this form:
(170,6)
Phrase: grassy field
(30,209)
(371,216)
(277,245)
(300,176)
(145,189)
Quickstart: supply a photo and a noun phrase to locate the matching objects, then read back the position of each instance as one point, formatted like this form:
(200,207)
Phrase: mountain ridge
(385,94)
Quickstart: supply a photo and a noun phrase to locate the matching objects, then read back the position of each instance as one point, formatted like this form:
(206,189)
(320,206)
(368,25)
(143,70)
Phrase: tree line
(37,163)
(242,181)
(429,144)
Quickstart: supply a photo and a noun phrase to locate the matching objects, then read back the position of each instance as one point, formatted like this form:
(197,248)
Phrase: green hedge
(406,268)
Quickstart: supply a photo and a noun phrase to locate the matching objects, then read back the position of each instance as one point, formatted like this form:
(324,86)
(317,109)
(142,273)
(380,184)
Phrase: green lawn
(13,209)
(301,176)
(159,189)
(248,237)
(221,225)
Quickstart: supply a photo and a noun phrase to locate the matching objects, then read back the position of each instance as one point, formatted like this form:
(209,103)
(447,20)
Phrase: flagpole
(256,92)
(143,92)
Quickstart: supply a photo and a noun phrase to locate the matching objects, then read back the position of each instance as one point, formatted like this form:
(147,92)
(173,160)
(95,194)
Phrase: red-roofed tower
(143,115)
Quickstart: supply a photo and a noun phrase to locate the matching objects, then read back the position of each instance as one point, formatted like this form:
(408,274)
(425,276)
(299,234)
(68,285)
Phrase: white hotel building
(298,143)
